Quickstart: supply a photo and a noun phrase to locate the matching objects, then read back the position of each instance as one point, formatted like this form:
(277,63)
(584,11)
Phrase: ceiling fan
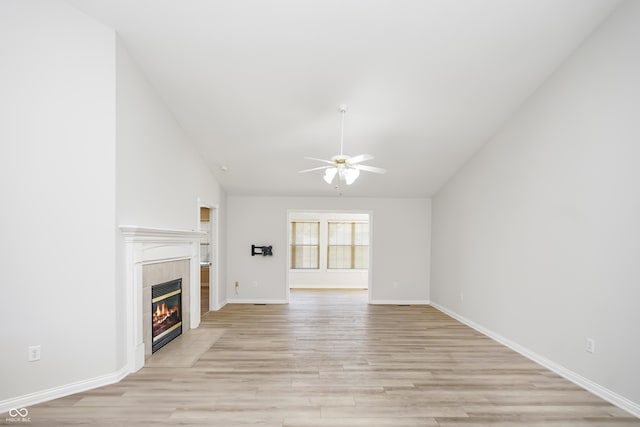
(346,167)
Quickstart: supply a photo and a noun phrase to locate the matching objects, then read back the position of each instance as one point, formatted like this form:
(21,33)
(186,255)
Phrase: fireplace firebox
(166,313)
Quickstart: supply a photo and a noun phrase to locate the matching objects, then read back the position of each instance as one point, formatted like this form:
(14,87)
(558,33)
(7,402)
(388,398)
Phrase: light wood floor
(329,359)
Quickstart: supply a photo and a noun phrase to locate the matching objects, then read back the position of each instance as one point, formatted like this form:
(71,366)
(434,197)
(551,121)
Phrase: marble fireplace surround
(154,255)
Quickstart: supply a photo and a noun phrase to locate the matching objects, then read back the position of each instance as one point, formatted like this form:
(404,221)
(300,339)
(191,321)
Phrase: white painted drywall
(221,289)
(324,278)
(537,238)
(400,244)
(57,189)
(160,177)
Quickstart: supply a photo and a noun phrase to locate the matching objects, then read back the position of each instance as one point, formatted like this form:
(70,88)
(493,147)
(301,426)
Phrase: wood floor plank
(330,359)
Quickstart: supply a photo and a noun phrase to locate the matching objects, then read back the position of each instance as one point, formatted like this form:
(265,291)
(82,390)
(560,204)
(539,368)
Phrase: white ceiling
(257,83)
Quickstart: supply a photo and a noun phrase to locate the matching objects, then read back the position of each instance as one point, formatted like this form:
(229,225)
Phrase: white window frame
(293,245)
(352,247)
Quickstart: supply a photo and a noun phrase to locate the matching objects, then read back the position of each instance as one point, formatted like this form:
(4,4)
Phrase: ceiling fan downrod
(343,110)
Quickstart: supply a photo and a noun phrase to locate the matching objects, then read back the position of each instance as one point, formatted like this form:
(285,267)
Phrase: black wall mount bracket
(261,250)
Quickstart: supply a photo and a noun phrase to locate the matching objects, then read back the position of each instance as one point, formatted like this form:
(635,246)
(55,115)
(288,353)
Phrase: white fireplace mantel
(144,245)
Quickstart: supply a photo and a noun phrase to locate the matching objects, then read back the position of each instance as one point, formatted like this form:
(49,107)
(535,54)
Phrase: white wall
(160,177)
(400,231)
(221,289)
(324,278)
(537,238)
(57,187)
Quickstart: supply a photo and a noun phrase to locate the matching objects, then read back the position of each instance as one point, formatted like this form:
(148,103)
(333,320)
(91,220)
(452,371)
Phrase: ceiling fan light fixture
(350,175)
(329,174)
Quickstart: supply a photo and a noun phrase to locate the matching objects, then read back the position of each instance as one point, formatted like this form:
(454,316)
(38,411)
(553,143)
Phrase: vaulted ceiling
(256,84)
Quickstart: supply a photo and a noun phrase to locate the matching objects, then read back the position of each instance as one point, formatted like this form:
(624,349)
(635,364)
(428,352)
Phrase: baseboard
(399,302)
(593,387)
(257,301)
(329,287)
(219,306)
(62,391)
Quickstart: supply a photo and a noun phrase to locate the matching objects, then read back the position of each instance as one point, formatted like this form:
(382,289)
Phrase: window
(348,245)
(305,245)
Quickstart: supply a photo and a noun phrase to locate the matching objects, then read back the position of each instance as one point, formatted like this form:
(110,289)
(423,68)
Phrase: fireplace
(153,256)
(166,313)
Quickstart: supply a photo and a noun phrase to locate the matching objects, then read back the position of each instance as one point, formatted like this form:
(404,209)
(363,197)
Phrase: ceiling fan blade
(320,160)
(370,168)
(315,169)
(360,158)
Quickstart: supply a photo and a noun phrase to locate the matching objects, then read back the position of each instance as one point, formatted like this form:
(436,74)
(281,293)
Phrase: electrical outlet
(33,353)
(395,285)
(590,346)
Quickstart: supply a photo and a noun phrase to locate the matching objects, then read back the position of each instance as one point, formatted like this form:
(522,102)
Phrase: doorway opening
(329,250)
(208,258)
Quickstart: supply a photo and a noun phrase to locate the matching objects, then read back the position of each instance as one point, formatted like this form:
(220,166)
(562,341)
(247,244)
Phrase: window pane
(305,233)
(339,257)
(339,233)
(361,257)
(304,257)
(362,234)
